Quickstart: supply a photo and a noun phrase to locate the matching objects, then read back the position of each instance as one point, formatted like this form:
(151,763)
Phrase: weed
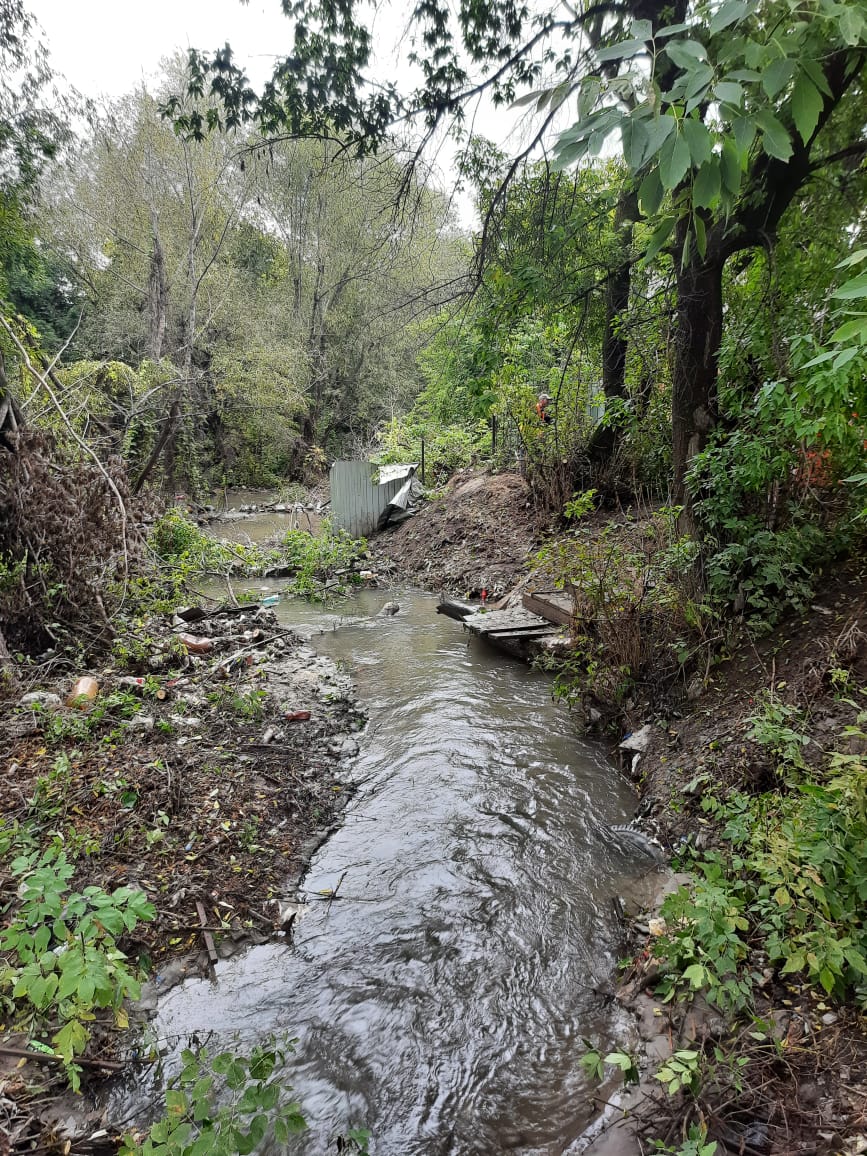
(221,1106)
(61,958)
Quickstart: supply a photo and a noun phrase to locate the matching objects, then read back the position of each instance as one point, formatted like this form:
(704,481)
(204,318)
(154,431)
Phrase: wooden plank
(499,619)
(523,627)
(206,935)
(523,635)
(545,607)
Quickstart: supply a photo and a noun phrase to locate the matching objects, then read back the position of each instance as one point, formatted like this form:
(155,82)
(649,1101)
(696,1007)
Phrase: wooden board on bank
(495,623)
(552,605)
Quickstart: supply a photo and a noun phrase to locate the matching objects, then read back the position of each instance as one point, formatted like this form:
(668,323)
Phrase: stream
(441,1001)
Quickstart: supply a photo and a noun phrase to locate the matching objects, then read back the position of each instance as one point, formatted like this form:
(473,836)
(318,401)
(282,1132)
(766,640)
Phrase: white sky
(108,47)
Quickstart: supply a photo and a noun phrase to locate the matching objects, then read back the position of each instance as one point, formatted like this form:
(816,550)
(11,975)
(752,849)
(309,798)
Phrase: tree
(724,111)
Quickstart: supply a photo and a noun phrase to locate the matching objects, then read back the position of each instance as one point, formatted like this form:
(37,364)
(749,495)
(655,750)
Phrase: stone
(42,698)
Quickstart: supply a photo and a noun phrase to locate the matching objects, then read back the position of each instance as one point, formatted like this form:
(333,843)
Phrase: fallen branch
(45,1058)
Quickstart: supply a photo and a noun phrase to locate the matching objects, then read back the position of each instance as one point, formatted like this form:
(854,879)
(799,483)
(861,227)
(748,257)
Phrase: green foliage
(247,704)
(225,1105)
(104,719)
(705,945)
(681,1071)
(635,613)
(446,449)
(793,877)
(61,960)
(593,1063)
(772,726)
(696,1144)
(319,559)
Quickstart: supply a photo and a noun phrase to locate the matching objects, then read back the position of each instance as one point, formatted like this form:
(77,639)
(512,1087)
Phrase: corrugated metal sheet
(356,500)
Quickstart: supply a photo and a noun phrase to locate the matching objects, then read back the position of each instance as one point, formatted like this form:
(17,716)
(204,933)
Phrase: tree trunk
(10,416)
(158,297)
(614,345)
(694,403)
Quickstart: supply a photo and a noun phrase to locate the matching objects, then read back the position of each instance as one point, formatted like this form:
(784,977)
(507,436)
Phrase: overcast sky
(107,47)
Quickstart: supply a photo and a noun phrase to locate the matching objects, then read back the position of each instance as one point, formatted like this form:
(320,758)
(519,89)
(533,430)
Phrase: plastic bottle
(83,693)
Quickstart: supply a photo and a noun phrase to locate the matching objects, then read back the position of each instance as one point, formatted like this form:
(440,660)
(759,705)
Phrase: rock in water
(390,608)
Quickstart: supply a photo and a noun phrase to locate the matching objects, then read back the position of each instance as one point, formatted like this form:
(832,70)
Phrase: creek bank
(803,1086)
(215,757)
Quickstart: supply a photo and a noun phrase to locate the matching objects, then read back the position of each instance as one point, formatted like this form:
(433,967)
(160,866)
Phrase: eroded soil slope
(480,534)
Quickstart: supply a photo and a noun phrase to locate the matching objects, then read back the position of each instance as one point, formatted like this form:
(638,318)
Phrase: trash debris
(298,716)
(271,600)
(637,740)
(83,693)
(140,685)
(195,645)
(42,698)
(191,614)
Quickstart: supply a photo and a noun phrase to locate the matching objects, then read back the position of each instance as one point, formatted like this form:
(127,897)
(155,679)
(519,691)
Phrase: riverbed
(441,998)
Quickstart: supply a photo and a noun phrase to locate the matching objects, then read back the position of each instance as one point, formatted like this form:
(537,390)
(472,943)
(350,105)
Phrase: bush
(792,877)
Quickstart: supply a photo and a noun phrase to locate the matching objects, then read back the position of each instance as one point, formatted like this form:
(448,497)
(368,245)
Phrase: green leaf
(700,235)
(807,104)
(844,358)
(777,75)
(686,53)
(658,132)
(673,161)
(706,189)
(650,193)
(826,979)
(775,139)
(527,98)
(853,259)
(672,30)
(747,75)
(744,129)
(698,140)
(857,287)
(634,137)
(814,70)
(621,51)
(658,239)
(820,359)
(730,168)
(856,328)
(851,26)
(730,12)
(695,975)
(729,91)
(71,1040)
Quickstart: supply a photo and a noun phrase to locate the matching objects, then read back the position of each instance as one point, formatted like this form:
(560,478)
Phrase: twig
(43,379)
(45,1058)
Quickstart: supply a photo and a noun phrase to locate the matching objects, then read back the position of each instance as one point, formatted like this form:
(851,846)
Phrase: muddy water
(233,526)
(441,1000)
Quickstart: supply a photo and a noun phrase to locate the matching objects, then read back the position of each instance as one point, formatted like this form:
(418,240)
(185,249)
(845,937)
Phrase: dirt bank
(796,1080)
(480,533)
(216,754)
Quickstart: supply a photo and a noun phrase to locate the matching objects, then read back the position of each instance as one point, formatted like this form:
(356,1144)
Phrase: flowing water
(442,1000)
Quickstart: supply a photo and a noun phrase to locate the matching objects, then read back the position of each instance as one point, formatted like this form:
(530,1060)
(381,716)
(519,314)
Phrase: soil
(210,798)
(480,533)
